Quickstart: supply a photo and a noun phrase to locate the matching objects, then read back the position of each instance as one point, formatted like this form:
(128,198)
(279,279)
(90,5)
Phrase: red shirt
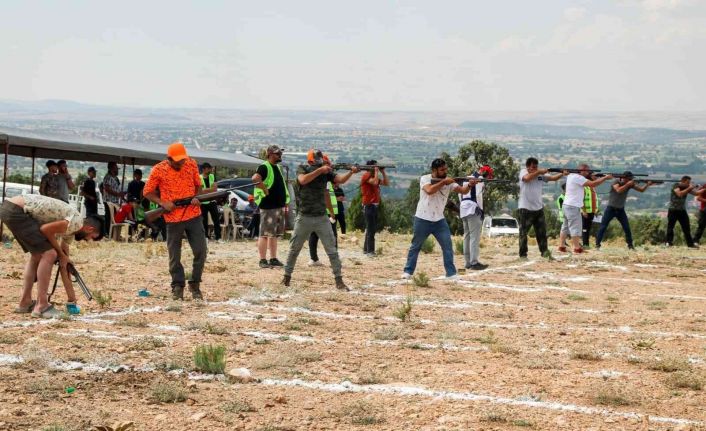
(124,212)
(174,185)
(370,193)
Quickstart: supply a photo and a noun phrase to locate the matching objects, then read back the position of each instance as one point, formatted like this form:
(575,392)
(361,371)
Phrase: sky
(523,55)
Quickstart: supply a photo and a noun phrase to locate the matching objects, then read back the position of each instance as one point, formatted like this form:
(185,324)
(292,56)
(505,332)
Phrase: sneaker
(451,277)
(579,250)
(177,292)
(315,263)
(340,285)
(630,247)
(693,246)
(195,290)
(264,263)
(478,266)
(405,276)
(286,280)
(274,262)
(73,308)
(562,249)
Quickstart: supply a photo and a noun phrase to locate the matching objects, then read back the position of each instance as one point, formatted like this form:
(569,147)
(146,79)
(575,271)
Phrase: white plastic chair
(113,209)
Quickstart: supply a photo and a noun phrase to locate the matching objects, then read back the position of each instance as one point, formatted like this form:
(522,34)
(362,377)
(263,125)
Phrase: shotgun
(461,180)
(152,215)
(75,278)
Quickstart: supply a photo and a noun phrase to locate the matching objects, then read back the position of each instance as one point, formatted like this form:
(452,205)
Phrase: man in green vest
(208,182)
(588,212)
(271,196)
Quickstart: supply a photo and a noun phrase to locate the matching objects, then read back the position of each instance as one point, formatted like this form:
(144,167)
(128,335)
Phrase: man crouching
(36,221)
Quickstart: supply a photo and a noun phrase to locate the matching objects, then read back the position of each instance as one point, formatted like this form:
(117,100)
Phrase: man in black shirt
(208,182)
(134,187)
(88,191)
(271,196)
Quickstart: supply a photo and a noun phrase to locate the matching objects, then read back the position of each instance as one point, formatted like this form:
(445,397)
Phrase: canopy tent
(122,152)
(99,151)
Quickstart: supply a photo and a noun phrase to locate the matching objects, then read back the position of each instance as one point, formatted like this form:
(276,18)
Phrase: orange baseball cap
(176,151)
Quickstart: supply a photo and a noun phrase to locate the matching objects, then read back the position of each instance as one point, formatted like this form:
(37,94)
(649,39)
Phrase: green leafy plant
(210,359)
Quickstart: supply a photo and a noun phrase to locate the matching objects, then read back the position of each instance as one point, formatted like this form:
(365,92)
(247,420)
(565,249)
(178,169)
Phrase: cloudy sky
(585,55)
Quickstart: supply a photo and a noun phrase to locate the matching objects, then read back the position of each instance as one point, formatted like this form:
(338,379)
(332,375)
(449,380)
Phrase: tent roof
(129,153)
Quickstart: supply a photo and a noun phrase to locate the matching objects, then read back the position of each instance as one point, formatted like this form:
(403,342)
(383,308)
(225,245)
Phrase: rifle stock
(348,166)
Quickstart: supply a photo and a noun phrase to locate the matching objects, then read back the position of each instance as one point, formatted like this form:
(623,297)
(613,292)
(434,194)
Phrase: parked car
(16,189)
(500,225)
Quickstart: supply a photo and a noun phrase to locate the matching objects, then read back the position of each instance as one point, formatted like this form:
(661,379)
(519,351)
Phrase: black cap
(91,169)
(627,174)
(206,165)
(137,171)
(50,163)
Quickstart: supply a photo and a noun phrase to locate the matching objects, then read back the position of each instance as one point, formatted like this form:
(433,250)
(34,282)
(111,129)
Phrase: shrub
(404,312)
(102,299)
(428,245)
(210,359)
(165,391)
(421,279)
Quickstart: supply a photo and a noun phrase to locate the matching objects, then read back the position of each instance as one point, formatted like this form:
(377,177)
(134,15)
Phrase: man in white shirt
(572,225)
(531,206)
(429,218)
(472,217)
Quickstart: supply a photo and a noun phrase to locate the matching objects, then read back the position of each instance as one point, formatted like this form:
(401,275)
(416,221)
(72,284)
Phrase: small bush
(362,413)
(611,397)
(686,380)
(428,245)
(210,329)
(421,279)
(586,355)
(576,297)
(210,359)
(669,364)
(132,322)
(165,391)
(8,339)
(147,343)
(404,312)
(237,406)
(644,344)
(174,308)
(657,305)
(103,299)
(388,334)
(488,338)
(458,246)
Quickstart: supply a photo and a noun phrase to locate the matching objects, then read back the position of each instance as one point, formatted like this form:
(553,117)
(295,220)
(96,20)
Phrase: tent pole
(122,184)
(4,179)
(31,187)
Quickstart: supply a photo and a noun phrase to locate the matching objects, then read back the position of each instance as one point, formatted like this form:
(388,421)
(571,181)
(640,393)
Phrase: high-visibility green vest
(560,205)
(588,204)
(211,180)
(269,181)
(334,201)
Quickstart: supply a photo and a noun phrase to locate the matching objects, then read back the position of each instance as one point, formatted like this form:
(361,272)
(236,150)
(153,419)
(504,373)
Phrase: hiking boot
(286,280)
(177,292)
(478,266)
(264,263)
(275,263)
(340,285)
(315,263)
(195,291)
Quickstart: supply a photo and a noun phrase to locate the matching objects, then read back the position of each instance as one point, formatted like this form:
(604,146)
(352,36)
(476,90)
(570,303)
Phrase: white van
(500,225)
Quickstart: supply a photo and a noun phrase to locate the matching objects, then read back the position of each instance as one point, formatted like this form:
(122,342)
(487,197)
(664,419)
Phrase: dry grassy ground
(606,340)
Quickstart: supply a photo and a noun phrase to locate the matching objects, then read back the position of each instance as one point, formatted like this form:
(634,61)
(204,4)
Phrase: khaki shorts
(24,228)
(271,222)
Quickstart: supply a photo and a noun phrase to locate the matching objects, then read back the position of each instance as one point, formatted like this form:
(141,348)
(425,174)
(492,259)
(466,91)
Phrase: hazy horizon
(451,56)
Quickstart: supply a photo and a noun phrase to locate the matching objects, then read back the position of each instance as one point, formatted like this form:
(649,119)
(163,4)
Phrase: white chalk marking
(348,387)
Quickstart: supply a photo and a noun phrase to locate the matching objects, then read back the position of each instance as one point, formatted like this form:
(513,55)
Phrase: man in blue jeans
(429,218)
(616,207)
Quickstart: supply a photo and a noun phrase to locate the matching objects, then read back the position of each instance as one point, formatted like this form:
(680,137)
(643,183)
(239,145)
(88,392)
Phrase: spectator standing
(677,211)
(208,184)
(701,199)
(531,207)
(49,185)
(254,224)
(112,193)
(271,195)
(429,218)
(340,200)
(65,181)
(178,177)
(588,213)
(370,183)
(88,191)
